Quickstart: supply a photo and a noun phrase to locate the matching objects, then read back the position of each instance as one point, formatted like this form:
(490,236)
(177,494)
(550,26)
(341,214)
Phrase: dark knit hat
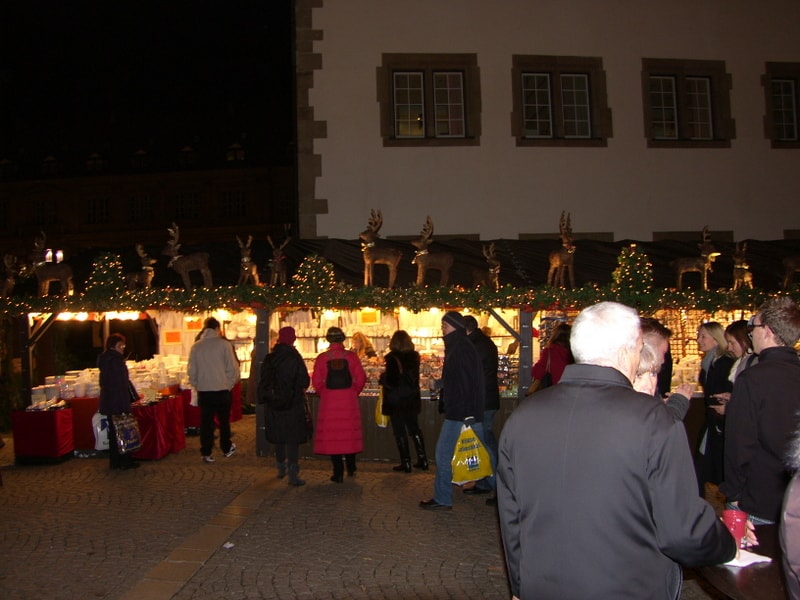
(334,335)
(286,335)
(455,319)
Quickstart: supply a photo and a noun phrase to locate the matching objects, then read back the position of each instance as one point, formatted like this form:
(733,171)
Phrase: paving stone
(76,531)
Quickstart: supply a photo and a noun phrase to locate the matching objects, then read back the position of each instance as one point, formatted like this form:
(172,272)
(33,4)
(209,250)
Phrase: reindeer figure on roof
(12,270)
(742,277)
(488,277)
(277,264)
(697,264)
(248,270)
(377,256)
(183,265)
(47,271)
(791,264)
(143,278)
(427,261)
(561,260)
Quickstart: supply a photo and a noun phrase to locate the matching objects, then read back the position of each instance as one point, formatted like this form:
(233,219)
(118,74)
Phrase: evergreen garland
(315,285)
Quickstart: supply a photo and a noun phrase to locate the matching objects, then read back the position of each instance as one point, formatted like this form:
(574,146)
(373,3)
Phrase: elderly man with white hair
(595,484)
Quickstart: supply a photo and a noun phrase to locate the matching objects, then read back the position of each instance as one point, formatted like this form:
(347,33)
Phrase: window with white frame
(429,99)
(687,103)
(782,104)
(560,100)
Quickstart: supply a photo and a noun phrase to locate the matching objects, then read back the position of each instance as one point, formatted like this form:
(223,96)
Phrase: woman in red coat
(338,428)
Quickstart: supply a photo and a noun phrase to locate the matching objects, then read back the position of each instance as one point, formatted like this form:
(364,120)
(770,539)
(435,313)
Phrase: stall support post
(525,352)
(26,351)
(28,338)
(525,339)
(260,351)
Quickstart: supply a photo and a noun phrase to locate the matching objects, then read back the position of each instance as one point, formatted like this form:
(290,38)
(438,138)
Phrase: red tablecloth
(191,414)
(175,416)
(46,433)
(161,428)
(83,410)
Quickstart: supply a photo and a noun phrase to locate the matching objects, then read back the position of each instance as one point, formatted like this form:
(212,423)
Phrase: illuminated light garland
(314,285)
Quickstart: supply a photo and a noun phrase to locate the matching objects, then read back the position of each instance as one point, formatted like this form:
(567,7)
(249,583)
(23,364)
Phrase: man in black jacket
(762,414)
(487,351)
(462,385)
(596,492)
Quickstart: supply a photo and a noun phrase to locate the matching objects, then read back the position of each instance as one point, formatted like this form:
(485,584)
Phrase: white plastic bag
(100,426)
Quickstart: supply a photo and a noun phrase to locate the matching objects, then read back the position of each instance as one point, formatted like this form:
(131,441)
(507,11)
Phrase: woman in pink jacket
(338,379)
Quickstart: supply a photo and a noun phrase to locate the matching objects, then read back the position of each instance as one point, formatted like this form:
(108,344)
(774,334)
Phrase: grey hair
(601,331)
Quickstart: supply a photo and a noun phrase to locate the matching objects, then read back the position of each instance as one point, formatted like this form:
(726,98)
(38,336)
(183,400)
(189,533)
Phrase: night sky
(112,77)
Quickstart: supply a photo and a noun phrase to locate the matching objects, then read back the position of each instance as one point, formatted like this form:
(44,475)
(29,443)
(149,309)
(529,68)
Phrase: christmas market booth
(53,413)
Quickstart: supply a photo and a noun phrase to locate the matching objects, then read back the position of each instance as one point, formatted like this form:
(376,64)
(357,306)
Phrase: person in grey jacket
(595,486)
(213,371)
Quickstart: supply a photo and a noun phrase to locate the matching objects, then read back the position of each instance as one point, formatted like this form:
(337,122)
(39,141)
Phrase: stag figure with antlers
(377,256)
(248,271)
(12,270)
(697,264)
(143,278)
(561,260)
(277,265)
(791,264)
(427,261)
(47,271)
(183,265)
(488,277)
(742,277)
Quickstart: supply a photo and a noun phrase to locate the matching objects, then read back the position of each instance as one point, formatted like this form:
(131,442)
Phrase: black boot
(350,462)
(405,456)
(338,468)
(294,480)
(419,446)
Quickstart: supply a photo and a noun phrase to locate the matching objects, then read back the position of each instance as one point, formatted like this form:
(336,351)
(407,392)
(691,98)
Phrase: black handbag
(134,395)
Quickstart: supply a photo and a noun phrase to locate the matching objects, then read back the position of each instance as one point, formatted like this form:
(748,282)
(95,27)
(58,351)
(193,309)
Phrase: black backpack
(338,377)
(272,394)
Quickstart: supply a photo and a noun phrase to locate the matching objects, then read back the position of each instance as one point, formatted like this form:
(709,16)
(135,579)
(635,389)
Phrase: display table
(191,414)
(42,434)
(161,428)
(760,581)
(83,410)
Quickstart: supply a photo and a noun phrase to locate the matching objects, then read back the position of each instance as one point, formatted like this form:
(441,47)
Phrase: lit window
(429,99)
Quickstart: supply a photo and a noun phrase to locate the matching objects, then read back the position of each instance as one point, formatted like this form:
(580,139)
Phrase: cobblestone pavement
(76,531)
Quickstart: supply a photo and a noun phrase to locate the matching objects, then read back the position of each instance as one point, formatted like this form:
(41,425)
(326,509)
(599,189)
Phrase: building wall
(498,190)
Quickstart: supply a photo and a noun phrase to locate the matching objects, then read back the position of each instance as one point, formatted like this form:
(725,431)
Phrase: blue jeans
(490,441)
(445,447)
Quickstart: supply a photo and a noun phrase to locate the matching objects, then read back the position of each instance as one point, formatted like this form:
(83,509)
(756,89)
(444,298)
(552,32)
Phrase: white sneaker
(231,451)
(208,459)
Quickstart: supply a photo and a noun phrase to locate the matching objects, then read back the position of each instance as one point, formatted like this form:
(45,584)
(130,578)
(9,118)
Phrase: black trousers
(214,404)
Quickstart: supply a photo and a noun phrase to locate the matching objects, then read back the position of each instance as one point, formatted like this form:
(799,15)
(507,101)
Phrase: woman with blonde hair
(362,346)
(715,369)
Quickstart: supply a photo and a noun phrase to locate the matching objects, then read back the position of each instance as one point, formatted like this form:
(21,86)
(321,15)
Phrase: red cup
(736,522)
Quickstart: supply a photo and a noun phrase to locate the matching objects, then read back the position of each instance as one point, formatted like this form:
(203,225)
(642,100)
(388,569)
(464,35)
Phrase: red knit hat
(286,335)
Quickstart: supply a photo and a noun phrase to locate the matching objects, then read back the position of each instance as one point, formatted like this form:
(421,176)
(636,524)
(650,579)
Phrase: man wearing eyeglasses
(762,415)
